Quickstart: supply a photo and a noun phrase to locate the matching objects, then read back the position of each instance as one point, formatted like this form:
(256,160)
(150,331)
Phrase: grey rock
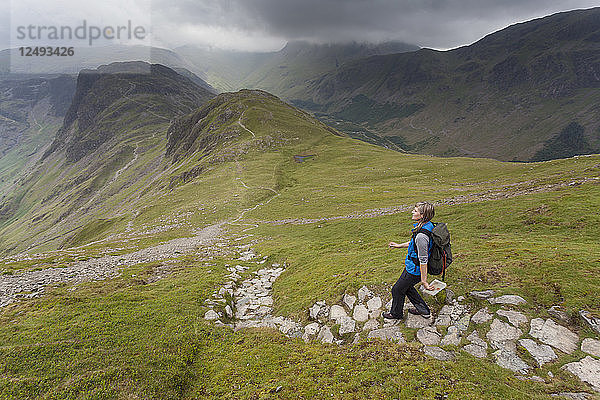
(542,353)
(591,346)
(508,299)
(560,314)
(347,325)
(228,311)
(452,337)
(514,317)
(428,336)
(587,370)
(501,331)
(573,396)
(482,295)
(325,335)
(416,321)
(370,325)
(555,335)
(313,311)
(375,314)
(349,301)
(449,295)
(361,314)
(392,333)
(463,323)
(438,353)
(475,350)
(364,293)
(476,340)
(312,329)
(337,312)
(510,360)
(374,303)
(461,298)
(443,320)
(590,320)
(211,315)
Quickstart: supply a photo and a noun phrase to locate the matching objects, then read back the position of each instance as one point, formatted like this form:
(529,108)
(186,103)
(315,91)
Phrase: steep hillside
(113,124)
(247,198)
(507,96)
(31,110)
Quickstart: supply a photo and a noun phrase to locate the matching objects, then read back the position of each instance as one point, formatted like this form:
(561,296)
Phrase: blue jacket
(412,267)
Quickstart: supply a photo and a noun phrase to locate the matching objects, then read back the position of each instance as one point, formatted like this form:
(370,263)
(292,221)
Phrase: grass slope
(529,229)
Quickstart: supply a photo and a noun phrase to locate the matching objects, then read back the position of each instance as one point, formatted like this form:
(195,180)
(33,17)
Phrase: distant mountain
(506,96)
(283,72)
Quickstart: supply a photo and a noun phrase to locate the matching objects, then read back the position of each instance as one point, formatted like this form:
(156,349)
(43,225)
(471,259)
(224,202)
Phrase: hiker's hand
(426,285)
(394,244)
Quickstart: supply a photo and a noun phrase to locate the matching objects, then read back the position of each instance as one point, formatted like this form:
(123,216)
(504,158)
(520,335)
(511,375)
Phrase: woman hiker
(415,270)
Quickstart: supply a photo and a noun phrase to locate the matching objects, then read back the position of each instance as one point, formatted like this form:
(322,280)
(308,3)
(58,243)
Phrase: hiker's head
(423,213)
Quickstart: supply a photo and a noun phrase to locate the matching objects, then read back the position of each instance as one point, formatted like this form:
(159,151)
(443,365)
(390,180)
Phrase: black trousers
(405,286)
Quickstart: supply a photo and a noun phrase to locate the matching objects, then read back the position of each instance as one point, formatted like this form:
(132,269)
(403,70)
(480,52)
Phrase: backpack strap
(414,237)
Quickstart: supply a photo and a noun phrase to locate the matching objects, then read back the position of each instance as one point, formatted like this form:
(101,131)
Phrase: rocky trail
(487,326)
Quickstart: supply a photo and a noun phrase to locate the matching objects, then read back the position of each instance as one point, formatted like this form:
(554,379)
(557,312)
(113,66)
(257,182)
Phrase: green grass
(124,338)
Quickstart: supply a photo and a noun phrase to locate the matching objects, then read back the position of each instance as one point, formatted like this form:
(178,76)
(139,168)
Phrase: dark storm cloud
(439,24)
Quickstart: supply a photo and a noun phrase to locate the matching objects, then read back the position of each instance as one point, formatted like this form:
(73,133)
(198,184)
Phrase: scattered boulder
(514,317)
(361,314)
(438,353)
(482,316)
(560,314)
(542,353)
(587,370)
(591,346)
(573,396)
(590,320)
(476,340)
(349,301)
(501,331)
(364,293)
(482,295)
(512,299)
(476,351)
(310,331)
(463,323)
(374,303)
(325,335)
(392,333)
(347,325)
(370,325)
(452,337)
(228,311)
(428,336)
(211,315)
(555,335)
(449,295)
(416,321)
(337,312)
(510,360)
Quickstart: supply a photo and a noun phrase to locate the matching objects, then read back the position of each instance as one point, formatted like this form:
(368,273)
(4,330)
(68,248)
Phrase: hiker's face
(416,214)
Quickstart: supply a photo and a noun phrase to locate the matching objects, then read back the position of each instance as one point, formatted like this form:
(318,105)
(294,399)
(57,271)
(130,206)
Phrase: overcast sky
(267,25)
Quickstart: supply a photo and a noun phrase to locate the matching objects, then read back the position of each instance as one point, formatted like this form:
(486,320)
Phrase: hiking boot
(417,312)
(388,315)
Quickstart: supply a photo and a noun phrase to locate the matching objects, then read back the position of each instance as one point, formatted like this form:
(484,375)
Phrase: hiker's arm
(422,244)
(424,277)
(399,245)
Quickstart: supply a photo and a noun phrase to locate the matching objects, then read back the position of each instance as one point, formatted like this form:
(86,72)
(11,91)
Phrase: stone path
(245,301)
(31,284)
